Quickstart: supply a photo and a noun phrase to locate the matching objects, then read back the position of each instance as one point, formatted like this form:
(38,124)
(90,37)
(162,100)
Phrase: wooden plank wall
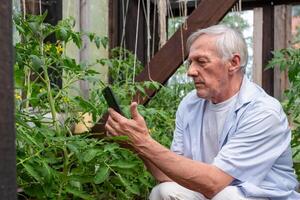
(282,38)
(8,186)
(272,31)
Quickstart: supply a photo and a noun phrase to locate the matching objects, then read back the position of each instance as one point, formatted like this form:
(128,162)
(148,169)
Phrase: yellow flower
(42,90)
(66,100)
(47,48)
(18,96)
(59,48)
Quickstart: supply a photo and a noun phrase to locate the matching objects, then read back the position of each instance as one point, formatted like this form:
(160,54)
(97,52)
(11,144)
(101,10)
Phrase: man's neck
(233,87)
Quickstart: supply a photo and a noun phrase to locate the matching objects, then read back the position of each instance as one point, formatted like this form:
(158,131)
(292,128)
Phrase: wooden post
(54,9)
(282,37)
(257,46)
(114,30)
(8,186)
(84,51)
(267,48)
(120,14)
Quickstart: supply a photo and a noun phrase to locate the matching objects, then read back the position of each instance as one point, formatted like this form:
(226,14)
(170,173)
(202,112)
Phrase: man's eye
(201,62)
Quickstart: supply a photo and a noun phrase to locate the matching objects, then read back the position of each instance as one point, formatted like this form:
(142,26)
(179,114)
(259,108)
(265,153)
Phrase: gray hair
(228,42)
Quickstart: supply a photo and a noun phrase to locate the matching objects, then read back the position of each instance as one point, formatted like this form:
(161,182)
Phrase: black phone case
(111,99)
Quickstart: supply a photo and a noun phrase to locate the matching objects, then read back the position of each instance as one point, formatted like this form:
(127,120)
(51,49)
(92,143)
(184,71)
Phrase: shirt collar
(246,94)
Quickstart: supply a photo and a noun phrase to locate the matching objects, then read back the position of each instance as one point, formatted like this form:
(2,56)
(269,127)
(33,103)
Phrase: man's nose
(192,71)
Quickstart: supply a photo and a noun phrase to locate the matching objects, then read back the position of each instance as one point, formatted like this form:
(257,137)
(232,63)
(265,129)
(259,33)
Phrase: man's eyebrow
(197,57)
(202,57)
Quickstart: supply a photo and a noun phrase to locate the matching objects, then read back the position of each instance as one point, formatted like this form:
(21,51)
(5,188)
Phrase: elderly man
(232,140)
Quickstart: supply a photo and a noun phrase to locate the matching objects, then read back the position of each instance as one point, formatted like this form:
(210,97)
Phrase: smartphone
(111,99)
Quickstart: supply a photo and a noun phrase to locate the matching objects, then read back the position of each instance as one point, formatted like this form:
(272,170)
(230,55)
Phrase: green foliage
(290,59)
(65,167)
(52,163)
(122,66)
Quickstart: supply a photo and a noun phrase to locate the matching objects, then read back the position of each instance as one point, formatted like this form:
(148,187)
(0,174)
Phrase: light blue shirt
(254,146)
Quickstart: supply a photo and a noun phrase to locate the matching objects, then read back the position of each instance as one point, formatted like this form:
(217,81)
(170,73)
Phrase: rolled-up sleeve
(262,135)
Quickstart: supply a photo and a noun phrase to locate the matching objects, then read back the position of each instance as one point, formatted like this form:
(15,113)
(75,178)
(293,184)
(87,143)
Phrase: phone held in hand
(111,99)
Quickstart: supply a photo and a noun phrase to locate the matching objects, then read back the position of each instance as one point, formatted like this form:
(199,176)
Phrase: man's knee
(171,191)
(165,190)
(228,193)
(233,193)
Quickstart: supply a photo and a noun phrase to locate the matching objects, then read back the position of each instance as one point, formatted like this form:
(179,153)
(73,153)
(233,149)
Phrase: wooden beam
(251,4)
(282,38)
(171,55)
(246,5)
(190,5)
(267,48)
(8,186)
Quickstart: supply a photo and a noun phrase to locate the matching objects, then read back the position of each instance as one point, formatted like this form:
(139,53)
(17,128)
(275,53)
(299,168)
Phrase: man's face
(208,70)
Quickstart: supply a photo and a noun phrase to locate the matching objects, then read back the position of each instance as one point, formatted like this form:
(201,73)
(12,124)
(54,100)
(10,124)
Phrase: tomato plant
(52,163)
(289,59)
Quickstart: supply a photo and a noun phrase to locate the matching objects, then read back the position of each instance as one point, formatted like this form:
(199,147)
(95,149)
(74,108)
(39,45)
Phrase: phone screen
(111,99)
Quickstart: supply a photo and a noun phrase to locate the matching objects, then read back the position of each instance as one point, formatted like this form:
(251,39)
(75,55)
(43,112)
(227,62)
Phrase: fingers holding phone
(111,100)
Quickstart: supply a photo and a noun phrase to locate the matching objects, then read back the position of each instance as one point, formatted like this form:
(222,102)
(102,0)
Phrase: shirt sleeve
(177,142)
(261,137)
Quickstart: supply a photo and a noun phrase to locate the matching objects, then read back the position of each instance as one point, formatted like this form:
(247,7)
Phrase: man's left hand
(135,128)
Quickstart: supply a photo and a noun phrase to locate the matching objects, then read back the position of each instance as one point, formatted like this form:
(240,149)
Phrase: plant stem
(28,158)
(51,100)
(67,85)
(65,171)
(28,84)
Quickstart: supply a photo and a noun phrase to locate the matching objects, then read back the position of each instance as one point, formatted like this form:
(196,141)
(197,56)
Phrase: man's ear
(235,63)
